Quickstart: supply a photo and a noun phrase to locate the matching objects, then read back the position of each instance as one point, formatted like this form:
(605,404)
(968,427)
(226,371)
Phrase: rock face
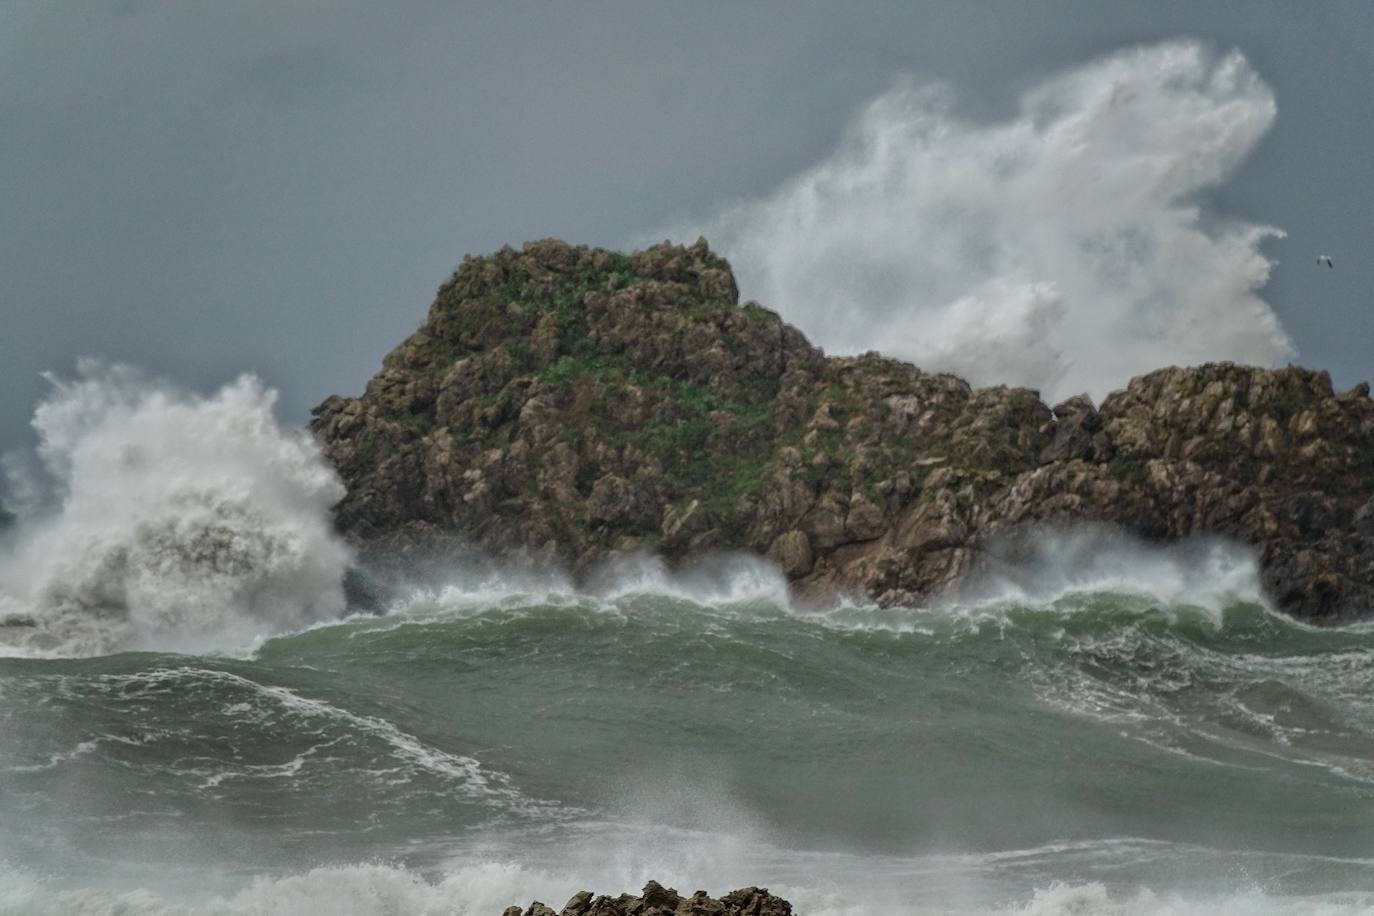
(568,403)
(657,900)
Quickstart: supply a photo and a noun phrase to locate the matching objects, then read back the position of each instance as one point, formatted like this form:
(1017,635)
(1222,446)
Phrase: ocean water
(203,727)
(483,744)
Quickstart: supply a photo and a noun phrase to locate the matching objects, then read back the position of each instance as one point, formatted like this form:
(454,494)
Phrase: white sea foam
(1065,248)
(156,518)
(722,580)
(82,749)
(1095,899)
(161,519)
(727,578)
(267,708)
(1049,570)
(1044,566)
(486,888)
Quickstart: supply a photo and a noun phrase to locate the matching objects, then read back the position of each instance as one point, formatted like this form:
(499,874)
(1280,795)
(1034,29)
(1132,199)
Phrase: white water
(157,517)
(162,519)
(1203,574)
(1066,248)
(1209,573)
(486,888)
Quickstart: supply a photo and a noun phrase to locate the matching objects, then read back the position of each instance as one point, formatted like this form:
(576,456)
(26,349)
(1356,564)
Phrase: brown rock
(865,520)
(572,402)
(825,523)
(580,903)
(792,552)
(656,900)
(682,523)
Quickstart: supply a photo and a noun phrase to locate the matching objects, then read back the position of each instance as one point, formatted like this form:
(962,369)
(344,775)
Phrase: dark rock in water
(657,900)
(567,404)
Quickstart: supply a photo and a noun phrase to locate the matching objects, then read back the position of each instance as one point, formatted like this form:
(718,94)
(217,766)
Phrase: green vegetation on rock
(574,402)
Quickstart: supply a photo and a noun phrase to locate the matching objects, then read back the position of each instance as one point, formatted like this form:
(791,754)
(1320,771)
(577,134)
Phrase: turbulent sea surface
(1099,750)
(191,721)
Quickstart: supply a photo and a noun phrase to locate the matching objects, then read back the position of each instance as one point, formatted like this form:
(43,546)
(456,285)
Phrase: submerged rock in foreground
(657,900)
(568,403)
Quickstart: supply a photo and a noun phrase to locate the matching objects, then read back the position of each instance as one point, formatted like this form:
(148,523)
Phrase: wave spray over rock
(155,518)
(1066,247)
(570,404)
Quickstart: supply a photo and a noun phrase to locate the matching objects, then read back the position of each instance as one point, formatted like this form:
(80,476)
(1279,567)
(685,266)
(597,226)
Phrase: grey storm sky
(203,189)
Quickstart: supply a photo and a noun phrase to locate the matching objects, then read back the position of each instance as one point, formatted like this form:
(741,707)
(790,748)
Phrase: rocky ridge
(656,900)
(569,403)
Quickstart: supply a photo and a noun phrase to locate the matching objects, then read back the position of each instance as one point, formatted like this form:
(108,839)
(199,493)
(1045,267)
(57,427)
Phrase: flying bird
(1324,259)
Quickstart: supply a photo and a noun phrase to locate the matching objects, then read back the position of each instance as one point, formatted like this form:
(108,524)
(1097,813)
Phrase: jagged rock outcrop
(657,900)
(569,403)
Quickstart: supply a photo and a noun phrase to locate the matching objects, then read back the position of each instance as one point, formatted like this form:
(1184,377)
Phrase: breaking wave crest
(156,518)
(1046,565)
(1053,570)
(500,736)
(486,888)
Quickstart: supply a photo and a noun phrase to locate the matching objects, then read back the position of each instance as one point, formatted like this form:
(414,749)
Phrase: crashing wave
(161,519)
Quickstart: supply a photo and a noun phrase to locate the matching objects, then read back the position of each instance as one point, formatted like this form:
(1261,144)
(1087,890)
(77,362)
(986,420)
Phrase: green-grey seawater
(1091,751)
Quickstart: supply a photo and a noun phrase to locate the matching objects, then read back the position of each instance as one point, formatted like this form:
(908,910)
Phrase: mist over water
(1066,248)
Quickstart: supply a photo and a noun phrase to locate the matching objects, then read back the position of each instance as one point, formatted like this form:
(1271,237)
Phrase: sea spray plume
(1064,249)
(168,519)
(1031,566)
(475,583)
(718,578)
(1041,564)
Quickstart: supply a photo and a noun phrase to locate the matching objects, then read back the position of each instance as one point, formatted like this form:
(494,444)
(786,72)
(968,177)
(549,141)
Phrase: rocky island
(657,900)
(569,403)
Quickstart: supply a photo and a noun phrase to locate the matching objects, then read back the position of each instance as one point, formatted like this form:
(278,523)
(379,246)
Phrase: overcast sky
(204,189)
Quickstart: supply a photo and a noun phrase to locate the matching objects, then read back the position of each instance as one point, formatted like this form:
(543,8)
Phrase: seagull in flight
(1325,259)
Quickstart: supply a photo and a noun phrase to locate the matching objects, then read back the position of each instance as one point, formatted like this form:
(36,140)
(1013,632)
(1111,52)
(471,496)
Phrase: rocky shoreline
(656,900)
(568,404)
